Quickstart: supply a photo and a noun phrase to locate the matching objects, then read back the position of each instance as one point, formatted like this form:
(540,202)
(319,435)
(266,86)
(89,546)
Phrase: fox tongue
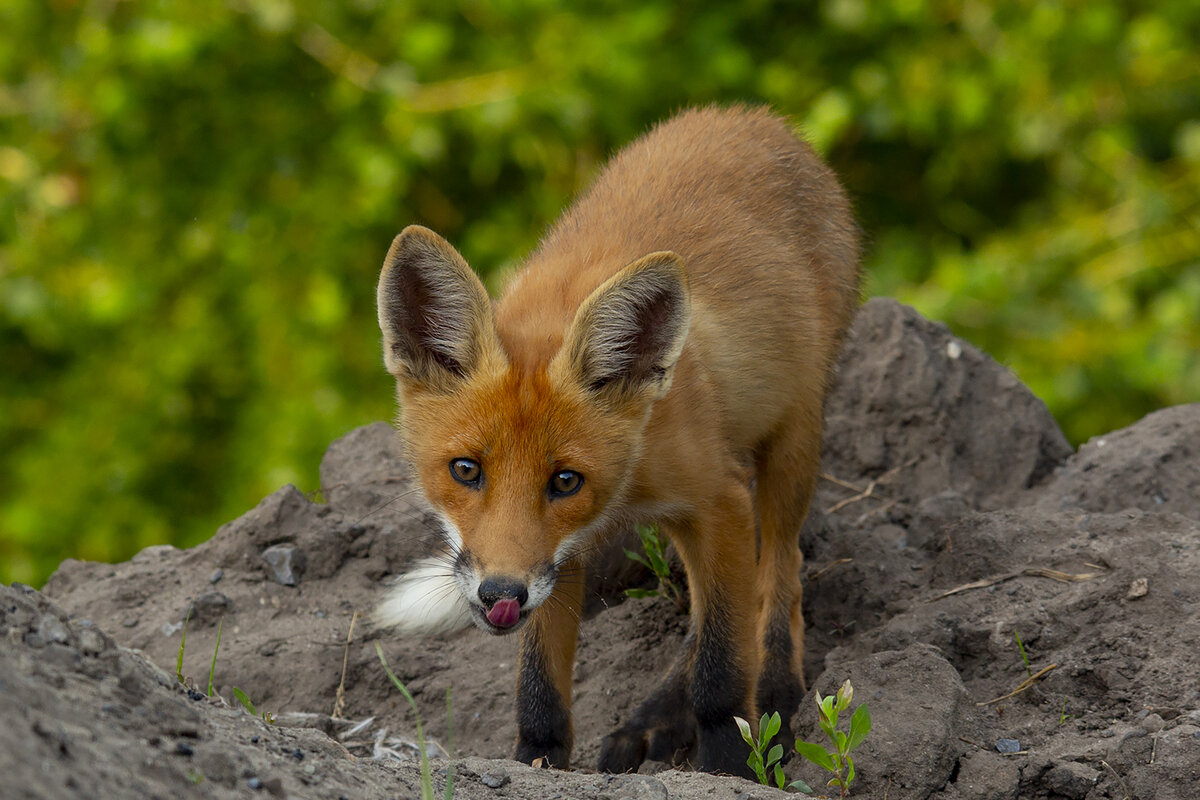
(505,613)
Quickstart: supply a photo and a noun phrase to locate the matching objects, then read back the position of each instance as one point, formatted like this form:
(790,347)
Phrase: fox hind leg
(787,469)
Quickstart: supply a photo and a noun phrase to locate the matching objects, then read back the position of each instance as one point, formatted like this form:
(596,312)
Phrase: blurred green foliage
(195,198)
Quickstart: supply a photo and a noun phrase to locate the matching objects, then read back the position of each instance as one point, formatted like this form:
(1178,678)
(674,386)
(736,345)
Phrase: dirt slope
(953,518)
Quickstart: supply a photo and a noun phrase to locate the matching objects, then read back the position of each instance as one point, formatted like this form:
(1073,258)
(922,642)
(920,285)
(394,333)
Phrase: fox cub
(662,357)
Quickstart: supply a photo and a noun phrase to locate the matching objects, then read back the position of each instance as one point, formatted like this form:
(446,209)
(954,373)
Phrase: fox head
(524,453)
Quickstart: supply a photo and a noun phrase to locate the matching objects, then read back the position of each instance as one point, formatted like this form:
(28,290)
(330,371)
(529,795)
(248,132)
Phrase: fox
(661,357)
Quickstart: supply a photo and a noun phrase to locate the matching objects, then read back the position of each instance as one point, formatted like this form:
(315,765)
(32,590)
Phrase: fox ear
(628,334)
(435,315)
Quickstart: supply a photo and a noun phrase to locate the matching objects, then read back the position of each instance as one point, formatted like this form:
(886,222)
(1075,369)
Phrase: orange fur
(670,338)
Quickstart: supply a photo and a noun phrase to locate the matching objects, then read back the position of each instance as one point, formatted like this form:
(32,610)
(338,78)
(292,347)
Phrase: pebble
(1008,745)
(218,573)
(129,622)
(254,783)
(1153,723)
(184,749)
(286,562)
(494,779)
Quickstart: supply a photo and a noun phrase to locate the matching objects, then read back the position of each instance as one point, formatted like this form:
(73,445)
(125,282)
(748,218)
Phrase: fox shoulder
(426,601)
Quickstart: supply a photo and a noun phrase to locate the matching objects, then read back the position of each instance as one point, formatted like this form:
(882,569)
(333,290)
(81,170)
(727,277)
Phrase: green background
(195,198)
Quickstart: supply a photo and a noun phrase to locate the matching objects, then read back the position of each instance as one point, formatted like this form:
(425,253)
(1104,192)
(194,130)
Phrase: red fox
(662,357)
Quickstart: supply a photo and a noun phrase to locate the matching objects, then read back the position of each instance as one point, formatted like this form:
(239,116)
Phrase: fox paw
(625,749)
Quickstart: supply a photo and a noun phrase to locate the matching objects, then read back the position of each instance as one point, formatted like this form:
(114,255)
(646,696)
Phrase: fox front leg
(547,660)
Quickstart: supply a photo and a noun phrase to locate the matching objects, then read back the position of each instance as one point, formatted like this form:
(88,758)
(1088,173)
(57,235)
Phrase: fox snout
(500,604)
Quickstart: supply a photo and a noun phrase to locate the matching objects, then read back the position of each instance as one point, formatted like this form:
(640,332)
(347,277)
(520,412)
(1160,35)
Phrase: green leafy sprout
(765,766)
(426,775)
(654,558)
(837,760)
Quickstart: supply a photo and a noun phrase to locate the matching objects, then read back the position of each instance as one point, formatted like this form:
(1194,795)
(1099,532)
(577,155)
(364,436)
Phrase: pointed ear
(628,334)
(435,315)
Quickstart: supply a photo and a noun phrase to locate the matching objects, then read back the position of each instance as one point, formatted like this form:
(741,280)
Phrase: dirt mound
(952,518)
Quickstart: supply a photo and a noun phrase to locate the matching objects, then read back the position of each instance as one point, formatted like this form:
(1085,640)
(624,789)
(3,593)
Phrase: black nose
(493,589)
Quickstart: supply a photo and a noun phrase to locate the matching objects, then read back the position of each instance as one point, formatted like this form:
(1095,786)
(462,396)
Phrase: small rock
(209,606)
(1071,779)
(184,749)
(1008,746)
(218,573)
(494,779)
(286,562)
(1153,723)
(1138,588)
(91,642)
(254,783)
(298,754)
(129,622)
(636,787)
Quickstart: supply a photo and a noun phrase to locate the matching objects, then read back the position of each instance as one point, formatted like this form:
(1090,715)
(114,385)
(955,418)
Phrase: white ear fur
(425,602)
(628,334)
(434,313)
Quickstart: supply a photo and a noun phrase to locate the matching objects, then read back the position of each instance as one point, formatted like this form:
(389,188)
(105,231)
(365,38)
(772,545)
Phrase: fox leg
(547,660)
(787,476)
(718,551)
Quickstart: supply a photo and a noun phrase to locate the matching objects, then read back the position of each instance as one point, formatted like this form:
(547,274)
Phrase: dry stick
(863,494)
(339,700)
(816,576)
(1120,782)
(1025,684)
(1030,572)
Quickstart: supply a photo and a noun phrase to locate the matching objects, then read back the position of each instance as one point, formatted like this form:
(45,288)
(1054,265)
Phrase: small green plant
(1024,656)
(1063,716)
(426,775)
(765,763)
(244,699)
(837,760)
(653,557)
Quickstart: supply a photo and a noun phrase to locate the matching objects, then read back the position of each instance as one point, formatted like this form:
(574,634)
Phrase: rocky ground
(953,518)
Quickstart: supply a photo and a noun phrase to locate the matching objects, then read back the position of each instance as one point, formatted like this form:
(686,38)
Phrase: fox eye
(565,483)
(467,472)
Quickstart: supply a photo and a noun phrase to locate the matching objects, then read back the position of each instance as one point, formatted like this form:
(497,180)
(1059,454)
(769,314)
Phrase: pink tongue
(505,613)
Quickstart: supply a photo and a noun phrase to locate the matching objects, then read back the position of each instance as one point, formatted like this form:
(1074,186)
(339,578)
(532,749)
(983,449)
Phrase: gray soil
(953,517)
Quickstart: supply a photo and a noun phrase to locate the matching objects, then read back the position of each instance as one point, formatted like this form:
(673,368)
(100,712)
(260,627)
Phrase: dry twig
(339,700)
(1028,683)
(1030,572)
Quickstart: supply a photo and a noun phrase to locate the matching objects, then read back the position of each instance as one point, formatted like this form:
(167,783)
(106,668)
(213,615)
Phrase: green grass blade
(396,681)
(182,643)
(212,668)
(245,701)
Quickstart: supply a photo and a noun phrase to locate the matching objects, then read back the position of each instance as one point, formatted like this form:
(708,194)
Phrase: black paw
(723,751)
(541,755)
(623,750)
